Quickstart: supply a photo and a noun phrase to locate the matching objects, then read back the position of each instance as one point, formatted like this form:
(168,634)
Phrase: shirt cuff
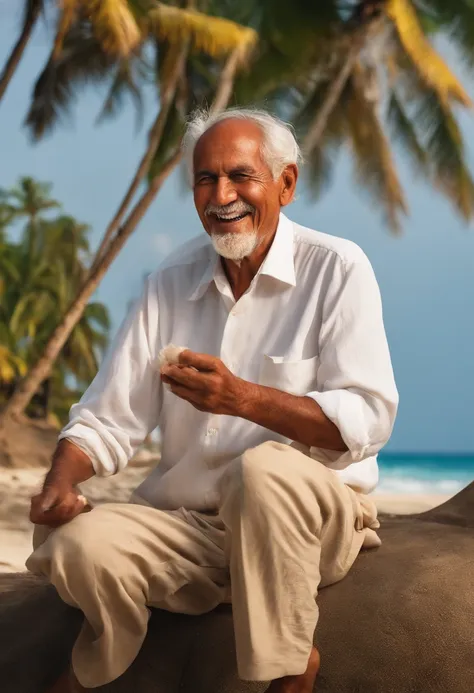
(90,442)
(346,410)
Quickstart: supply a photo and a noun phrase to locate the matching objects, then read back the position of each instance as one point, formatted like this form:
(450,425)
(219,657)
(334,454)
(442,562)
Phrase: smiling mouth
(228,220)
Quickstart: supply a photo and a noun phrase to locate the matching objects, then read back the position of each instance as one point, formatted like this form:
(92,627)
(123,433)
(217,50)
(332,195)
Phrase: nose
(224,192)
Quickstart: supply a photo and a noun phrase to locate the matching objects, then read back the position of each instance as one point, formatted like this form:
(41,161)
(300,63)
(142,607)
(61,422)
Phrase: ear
(288,180)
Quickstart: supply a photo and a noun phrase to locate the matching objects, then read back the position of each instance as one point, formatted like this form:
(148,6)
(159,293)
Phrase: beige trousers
(285,526)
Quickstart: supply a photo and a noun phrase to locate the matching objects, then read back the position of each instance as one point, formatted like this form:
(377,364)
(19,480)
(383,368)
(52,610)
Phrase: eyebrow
(233,172)
(203,172)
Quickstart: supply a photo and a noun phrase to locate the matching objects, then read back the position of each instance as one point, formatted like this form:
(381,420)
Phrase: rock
(37,631)
(400,622)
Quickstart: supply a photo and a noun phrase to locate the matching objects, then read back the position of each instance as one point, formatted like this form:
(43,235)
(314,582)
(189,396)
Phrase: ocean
(424,472)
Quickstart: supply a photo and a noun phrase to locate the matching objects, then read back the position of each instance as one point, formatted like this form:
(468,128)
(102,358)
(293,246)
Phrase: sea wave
(404,485)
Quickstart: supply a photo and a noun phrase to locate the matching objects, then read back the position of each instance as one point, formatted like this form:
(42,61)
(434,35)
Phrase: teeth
(239,216)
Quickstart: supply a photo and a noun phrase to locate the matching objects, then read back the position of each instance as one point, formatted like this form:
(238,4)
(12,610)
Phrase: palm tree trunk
(32,13)
(27,388)
(156,133)
(318,126)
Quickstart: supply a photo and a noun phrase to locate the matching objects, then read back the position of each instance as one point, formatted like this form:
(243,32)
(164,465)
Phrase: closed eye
(204,179)
(239,176)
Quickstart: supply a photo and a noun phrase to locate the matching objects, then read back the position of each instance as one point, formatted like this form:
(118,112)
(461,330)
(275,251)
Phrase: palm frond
(26,301)
(269,71)
(168,54)
(81,62)
(68,10)
(445,147)
(170,141)
(319,169)
(375,169)
(124,83)
(9,269)
(98,313)
(455,19)
(312,102)
(11,365)
(114,25)
(86,361)
(212,35)
(429,64)
(404,131)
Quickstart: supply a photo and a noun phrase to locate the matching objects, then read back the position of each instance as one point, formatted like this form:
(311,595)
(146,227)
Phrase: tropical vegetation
(44,258)
(355,75)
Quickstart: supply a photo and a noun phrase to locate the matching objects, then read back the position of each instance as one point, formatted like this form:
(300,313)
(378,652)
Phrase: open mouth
(229,220)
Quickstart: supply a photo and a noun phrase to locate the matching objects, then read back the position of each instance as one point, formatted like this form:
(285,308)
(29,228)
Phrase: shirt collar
(279,262)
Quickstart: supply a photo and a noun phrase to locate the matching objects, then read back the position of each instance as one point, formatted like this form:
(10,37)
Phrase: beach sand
(18,485)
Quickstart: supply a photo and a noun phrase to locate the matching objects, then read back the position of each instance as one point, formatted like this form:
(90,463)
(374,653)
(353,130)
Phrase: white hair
(279,148)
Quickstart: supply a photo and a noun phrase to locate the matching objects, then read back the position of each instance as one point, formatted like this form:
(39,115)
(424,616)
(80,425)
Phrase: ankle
(299,683)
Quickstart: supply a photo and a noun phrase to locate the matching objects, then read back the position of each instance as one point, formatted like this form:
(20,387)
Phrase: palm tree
(178,36)
(32,300)
(322,66)
(120,27)
(29,199)
(370,70)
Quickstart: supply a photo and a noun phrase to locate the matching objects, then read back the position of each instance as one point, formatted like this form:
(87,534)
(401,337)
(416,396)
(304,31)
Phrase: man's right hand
(60,501)
(57,504)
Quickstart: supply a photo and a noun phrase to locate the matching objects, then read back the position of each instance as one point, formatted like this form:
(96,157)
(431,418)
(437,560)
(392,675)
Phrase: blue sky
(426,276)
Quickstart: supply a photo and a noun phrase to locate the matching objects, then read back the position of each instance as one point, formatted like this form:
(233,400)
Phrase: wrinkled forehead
(229,144)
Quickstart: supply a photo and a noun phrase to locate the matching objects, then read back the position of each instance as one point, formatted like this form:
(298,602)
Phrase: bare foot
(301,683)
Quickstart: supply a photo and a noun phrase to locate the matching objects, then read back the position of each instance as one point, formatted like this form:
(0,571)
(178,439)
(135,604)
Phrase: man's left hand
(205,382)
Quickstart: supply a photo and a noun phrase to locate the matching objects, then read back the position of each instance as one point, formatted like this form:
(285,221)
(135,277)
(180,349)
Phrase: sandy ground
(18,485)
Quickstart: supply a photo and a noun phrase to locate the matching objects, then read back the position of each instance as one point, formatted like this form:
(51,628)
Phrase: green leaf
(404,130)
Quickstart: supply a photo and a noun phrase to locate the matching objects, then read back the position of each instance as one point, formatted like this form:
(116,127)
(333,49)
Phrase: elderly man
(270,421)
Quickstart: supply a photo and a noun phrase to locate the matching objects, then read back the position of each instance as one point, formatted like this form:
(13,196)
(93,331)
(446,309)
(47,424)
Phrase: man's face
(236,196)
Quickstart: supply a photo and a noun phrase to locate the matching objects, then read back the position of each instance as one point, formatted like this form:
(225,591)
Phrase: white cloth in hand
(169,355)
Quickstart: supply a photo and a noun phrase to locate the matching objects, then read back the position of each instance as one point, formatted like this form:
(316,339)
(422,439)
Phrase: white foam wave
(410,485)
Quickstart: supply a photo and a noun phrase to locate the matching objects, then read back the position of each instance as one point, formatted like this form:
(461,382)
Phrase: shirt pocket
(295,377)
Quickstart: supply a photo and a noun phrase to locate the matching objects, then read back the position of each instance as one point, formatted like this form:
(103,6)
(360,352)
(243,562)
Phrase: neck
(240,275)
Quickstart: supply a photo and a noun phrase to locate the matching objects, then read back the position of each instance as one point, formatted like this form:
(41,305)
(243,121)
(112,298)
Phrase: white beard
(235,246)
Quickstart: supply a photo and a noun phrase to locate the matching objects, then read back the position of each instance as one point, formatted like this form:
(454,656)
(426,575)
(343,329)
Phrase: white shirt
(310,324)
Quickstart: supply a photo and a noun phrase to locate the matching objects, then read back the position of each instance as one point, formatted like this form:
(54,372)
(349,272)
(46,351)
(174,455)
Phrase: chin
(235,245)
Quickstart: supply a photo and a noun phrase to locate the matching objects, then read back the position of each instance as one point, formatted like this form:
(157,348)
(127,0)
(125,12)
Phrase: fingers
(185,376)
(178,389)
(188,395)
(202,362)
(54,507)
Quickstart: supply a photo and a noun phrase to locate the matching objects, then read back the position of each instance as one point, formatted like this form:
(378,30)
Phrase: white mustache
(232,209)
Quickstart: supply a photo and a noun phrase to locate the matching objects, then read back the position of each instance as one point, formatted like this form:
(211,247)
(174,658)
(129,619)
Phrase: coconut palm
(370,76)
(28,200)
(121,27)
(226,43)
(33,300)
(330,67)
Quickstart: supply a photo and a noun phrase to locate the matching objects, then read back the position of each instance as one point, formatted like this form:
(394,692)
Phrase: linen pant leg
(114,561)
(291,526)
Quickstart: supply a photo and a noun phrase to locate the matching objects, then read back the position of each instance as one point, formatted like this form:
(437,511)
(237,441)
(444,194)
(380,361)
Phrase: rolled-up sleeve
(121,406)
(355,384)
